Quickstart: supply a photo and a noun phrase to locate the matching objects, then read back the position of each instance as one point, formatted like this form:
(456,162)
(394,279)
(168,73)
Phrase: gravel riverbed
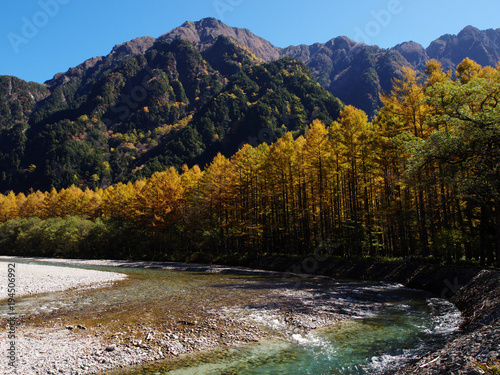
(61,343)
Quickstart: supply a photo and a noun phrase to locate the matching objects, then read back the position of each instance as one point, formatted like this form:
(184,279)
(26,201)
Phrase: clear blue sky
(41,38)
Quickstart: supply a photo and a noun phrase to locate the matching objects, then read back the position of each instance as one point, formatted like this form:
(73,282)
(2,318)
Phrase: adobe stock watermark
(380,19)
(224,6)
(265,135)
(311,264)
(31,26)
(127,103)
(451,290)
(12,322)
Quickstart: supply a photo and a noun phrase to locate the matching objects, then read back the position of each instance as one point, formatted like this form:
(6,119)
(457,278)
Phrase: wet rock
(186,323)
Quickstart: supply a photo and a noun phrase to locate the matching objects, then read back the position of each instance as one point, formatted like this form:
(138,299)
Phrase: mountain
(200,89)
(354,72)
(128,115)
(97,64)
(481,46)
(18,100)
(414,54)
(258,105)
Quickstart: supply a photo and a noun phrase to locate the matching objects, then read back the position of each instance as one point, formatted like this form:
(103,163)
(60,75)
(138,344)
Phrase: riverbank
(32,279)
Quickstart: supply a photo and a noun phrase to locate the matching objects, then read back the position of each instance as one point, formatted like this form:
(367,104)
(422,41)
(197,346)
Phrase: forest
(419,180)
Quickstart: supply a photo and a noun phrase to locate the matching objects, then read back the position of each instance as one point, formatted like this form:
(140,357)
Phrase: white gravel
(36,279)
(51,350)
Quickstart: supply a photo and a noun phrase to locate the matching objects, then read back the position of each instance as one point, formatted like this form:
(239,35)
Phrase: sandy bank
(36,279)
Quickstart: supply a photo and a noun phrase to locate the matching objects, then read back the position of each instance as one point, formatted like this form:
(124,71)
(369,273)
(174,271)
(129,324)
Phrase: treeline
(74,237)
(420,180)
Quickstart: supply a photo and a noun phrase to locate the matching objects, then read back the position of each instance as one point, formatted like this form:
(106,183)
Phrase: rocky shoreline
(83,350)
(476,350)
(475,292)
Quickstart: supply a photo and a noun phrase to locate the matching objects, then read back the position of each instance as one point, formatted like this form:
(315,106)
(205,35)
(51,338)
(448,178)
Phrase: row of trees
(422,179)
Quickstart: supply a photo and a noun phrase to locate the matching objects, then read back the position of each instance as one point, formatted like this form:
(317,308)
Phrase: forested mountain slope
(168,106)
(355,72)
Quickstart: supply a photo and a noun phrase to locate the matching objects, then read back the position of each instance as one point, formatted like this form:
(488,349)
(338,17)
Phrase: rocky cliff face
(354,72)
(481,46)
(208,29)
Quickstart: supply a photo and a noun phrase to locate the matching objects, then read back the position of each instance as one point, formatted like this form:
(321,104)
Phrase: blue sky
(40,38)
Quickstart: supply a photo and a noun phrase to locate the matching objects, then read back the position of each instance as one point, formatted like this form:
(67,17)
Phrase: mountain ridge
(120,118)
(354,72)
(209,29)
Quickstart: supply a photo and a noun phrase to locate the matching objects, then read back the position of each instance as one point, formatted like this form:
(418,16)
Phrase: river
(249,323)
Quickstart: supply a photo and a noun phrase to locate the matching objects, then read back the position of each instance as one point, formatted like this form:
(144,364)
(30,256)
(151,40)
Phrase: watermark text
(31,26)
(12,320)
(379,20)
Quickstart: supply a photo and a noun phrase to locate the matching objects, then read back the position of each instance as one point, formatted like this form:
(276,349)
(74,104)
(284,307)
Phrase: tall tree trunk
(463,229)
(424,240)
(355,211)
(444,199)
(497,232)
(482,236)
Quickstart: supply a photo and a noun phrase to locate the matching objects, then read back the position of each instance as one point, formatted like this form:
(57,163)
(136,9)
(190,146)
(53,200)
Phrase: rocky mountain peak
(414,53)
(483,46)
(469,32)
(341,42)
(138,45)
(209,29)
